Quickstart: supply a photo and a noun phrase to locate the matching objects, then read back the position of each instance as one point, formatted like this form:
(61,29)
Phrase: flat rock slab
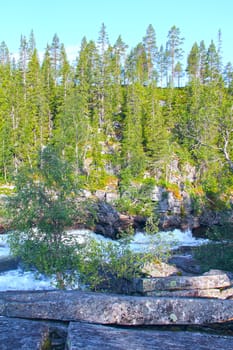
(104,308)
(17,334)
(92,337)
(143,285)
(195,293)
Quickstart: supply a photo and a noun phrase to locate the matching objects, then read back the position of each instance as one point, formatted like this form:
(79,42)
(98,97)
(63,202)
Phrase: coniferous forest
(121,114)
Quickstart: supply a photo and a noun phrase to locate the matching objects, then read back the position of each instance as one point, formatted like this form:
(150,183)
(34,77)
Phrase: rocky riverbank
(43,335)
(81,321)
(175,308)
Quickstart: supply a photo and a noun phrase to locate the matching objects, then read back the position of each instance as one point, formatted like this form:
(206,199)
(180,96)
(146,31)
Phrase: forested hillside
(119,114)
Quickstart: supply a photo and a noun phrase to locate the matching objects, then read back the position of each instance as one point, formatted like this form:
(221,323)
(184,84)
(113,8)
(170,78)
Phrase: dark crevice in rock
(225,328)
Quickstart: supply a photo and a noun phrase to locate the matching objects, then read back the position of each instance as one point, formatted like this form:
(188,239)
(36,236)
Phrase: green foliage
(217,255)
(136,197)
(105,265)
(223,232)
(108,118)
(107,115)
(42,208)
(152,223)
(55,259)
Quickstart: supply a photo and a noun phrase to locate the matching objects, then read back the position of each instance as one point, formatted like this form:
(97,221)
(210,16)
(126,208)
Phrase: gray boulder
(20,334)
(92,337)
(186,263)
(101,308)
(173,283)
(8,263)
(107,222)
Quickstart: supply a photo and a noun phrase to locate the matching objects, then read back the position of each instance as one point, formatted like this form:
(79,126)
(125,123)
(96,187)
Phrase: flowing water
(27,280)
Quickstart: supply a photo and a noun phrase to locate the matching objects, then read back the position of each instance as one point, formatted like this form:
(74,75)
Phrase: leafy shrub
(136,199)
(215,256)
(105,265)
(43,206)
(57,260)
(218,253)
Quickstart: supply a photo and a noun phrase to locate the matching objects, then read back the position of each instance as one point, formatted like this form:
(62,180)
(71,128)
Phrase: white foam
(82,236)
(4,248)
(19,280)
(170,240)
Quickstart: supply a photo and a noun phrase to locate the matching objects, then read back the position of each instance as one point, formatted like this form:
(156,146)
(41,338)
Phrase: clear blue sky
(72,19)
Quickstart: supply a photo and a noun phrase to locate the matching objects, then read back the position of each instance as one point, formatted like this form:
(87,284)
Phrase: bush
(218,253)
(102,263)
(215,256)
(54,260)
(43,206)
(111,265)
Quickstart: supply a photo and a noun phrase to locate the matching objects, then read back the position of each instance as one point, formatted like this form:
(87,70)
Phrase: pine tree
(203,60)
(73,130)
(4,54)
(161,61)
(23,60)
(103,79)
(193,66)
(55,57)
(48,85)
(149,42)
(228,75)
(212,63)
(178,73)
(65,72)
(119,51)
(136,66)
(155,131)
(174,49)
(133,157)
(6,137)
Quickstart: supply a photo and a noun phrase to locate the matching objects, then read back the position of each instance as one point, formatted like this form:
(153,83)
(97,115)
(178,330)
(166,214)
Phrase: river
(19,279)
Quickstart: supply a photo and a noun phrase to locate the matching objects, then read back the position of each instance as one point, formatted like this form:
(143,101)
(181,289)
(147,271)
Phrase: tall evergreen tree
(228,75)
(73,130)
(55,56)
(132,144)
(155,131)
(48,85)
(65,72)
(4,54)
(203,60)
(161,61)
(212,63)
(149,42)
(193,62)
(136,65)
(174,49)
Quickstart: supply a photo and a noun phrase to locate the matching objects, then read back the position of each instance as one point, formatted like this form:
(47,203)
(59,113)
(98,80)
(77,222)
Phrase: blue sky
(72,19)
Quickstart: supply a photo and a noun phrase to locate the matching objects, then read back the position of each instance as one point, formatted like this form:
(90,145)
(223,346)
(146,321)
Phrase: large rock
(92,337)
(8,263)
(107,221)
(194,293)
(186,263)
(17,334)
(173,283)
(104,308)
(160,269)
